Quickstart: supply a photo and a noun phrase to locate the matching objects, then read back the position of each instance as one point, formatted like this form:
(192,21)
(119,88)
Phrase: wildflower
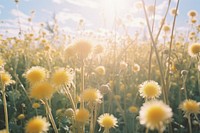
(5,78)
(69,112)
(194,49)
(155,114)
(192,13)
(133,109)
(100,70)
(42,90)
(62,76)
(136,68)
(190,107)
(149,89)
(173,12)
(104,89)
(166,28)
(91,95)
(36,74)
(83,48)
(35,105)
(82,115)
(107,121)
(193,20)
(21,116)
(37,125)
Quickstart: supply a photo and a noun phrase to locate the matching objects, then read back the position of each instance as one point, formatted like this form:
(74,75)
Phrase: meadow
(114,83)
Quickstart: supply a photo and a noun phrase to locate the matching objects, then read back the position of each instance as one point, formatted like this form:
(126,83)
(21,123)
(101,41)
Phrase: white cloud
(17,13)
(65,16)
(83,3)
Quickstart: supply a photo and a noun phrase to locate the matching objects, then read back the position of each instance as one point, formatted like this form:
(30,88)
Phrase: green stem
(190,125)
(48,109)
(5,109)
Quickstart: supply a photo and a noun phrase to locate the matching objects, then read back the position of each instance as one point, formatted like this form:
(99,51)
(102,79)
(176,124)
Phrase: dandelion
(155,115)
(136,68)
(166,28)
(35,105)
(62,76)
(5,78)
(194,49)
(83,48)
(107,121)
(37,124)
(42,90)
(21,116)
(36,74)
(91,95)
(190,107)
(192,13)
(100,70)
(174,12)
(82,115)
(104,89)
(133,109)
(149,89)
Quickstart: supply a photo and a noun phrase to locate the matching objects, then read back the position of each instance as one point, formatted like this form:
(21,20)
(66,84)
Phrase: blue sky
(97,14)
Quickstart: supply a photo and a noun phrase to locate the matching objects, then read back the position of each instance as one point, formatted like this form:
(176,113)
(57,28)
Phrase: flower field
(116,82)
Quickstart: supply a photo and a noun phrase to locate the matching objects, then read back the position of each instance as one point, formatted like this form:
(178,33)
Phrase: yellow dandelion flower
(166,28)
(193,20)
(192,13)
(36,74)
(35,105)
(194,49)
(100,70)
(83,48)
(133,109)
(149,89)
(91,95)
(173,12)
(155,115)
(62,76)
(42,90)
(82,115)
(37,125)
(107,121)
(136,68)
(21,116)
(5,78)
(190,107)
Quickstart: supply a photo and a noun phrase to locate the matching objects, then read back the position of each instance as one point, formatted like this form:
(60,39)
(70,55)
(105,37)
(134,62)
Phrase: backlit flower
(155,115)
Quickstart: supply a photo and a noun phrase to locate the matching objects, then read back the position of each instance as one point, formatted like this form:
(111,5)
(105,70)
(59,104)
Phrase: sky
(97,15)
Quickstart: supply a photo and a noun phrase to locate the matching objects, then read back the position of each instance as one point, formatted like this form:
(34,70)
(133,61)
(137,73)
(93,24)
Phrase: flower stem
(48,109)
(5,108)
(190,125)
